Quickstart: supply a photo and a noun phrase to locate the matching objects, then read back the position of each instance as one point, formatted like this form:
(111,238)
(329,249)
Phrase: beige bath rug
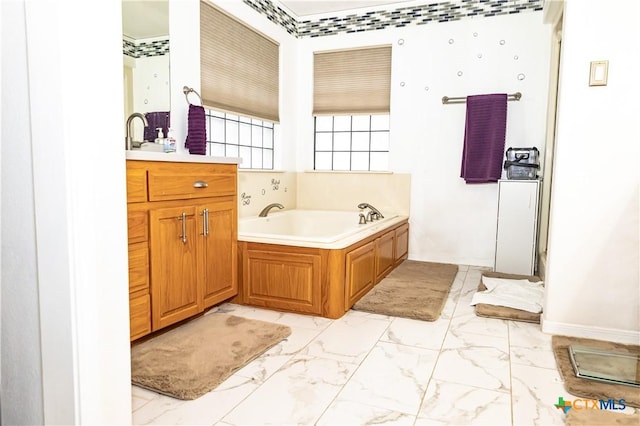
(502,312)
(416,290)
(601,418)
(588,388)
(192,359)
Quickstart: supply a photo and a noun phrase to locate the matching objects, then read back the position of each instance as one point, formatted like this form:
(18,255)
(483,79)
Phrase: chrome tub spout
(265,211)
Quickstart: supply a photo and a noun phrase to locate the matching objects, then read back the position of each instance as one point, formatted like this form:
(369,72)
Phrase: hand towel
(484,138)
(156,119)
(196,140)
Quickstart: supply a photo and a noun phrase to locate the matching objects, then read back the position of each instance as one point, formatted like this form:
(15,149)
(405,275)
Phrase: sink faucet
(265,211)
(127,141)
(374,211)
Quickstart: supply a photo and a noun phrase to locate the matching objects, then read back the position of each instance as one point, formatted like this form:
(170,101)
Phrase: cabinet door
(402,243)
(289,281)
(175,280)
(517,223)
(384,254)
(219,251)
(361,273)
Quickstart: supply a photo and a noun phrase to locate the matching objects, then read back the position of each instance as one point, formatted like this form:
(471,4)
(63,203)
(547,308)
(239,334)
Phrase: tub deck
(318,280)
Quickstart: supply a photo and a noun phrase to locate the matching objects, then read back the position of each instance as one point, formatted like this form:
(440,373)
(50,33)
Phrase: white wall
(72,257)
(593,276)
(426,135)
(450,221)
(20,343)
(258,189)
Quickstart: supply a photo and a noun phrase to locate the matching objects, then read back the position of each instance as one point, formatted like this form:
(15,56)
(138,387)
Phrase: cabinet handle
(205,222)
(200,184)
(183,218)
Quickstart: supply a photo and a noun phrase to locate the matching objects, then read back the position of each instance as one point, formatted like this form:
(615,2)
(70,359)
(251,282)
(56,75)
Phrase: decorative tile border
(275,14)
(145,48)
(401,17)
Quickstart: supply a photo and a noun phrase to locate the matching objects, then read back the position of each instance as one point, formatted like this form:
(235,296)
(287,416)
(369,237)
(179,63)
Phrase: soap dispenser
(160,138)
(170,141)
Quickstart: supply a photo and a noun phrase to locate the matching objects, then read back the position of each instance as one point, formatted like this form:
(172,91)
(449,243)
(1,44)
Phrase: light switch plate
(599,73)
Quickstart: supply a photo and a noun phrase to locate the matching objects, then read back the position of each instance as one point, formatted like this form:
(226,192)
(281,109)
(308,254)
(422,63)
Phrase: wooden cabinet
(182,235)
(219,251)
(283,280)
(385,254)
(176,292)
(361,272)
(401,241)
(318,281)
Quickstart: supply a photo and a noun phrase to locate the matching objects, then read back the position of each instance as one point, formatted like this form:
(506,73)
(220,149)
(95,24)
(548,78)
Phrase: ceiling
(145,18)
(315,7)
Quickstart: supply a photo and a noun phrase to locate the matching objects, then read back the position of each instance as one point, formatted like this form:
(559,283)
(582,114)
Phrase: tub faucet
(265,211)
(128,143)
(375,213)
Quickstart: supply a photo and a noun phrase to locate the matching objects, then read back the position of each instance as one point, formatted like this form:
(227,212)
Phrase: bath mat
(587,388)
(502,312)
(192,359)
(601,417)
(416,290)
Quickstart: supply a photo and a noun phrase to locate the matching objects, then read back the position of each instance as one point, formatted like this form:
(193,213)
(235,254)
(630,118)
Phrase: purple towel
(155,120)
(196,131)
(484,135)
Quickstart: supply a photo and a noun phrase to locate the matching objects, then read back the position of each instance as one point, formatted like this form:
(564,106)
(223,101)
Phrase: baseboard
(590,332)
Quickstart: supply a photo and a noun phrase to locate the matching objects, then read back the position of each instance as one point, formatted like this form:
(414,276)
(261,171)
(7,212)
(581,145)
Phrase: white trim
(590,332)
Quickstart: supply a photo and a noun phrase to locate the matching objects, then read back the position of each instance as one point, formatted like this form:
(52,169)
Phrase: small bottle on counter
(160,138)
(170,141)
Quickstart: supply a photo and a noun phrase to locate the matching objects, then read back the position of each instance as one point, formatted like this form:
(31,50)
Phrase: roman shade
(352,81)
(239,67)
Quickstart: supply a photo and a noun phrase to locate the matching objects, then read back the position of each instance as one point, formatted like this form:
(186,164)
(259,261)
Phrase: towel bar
(461,100)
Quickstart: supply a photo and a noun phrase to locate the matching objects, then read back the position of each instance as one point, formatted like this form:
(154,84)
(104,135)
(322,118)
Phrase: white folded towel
(517,294)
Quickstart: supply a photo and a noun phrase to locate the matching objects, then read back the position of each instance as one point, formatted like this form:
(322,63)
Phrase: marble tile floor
(365,369)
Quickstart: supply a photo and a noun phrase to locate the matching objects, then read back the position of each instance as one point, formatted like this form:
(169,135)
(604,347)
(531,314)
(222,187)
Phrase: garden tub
(315,261)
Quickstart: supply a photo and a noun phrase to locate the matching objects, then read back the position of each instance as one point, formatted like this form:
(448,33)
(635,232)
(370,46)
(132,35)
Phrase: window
(239,77)
(351,142)
(230,135)
(351,104)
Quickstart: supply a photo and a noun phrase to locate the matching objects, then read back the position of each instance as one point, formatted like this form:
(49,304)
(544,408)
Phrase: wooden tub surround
(318,281)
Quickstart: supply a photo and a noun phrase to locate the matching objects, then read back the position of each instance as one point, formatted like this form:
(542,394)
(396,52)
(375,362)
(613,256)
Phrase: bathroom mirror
(145,41)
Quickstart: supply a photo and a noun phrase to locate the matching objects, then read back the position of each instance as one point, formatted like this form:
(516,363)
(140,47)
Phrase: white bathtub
(328,229)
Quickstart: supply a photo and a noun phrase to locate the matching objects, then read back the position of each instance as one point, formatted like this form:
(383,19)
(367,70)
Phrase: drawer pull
(200,184)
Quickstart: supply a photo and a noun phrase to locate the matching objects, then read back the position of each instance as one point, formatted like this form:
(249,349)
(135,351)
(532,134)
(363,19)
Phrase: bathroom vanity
(182,223)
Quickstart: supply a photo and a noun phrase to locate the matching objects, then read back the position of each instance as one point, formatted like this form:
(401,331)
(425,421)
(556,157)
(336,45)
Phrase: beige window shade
(239,68)
(354,81)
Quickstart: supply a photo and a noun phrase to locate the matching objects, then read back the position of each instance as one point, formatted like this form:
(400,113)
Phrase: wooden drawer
(138,267)
(139,316)
(136,185)
(138,227)
(190,180)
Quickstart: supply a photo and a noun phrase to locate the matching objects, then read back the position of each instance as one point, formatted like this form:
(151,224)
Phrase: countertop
(180,158)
